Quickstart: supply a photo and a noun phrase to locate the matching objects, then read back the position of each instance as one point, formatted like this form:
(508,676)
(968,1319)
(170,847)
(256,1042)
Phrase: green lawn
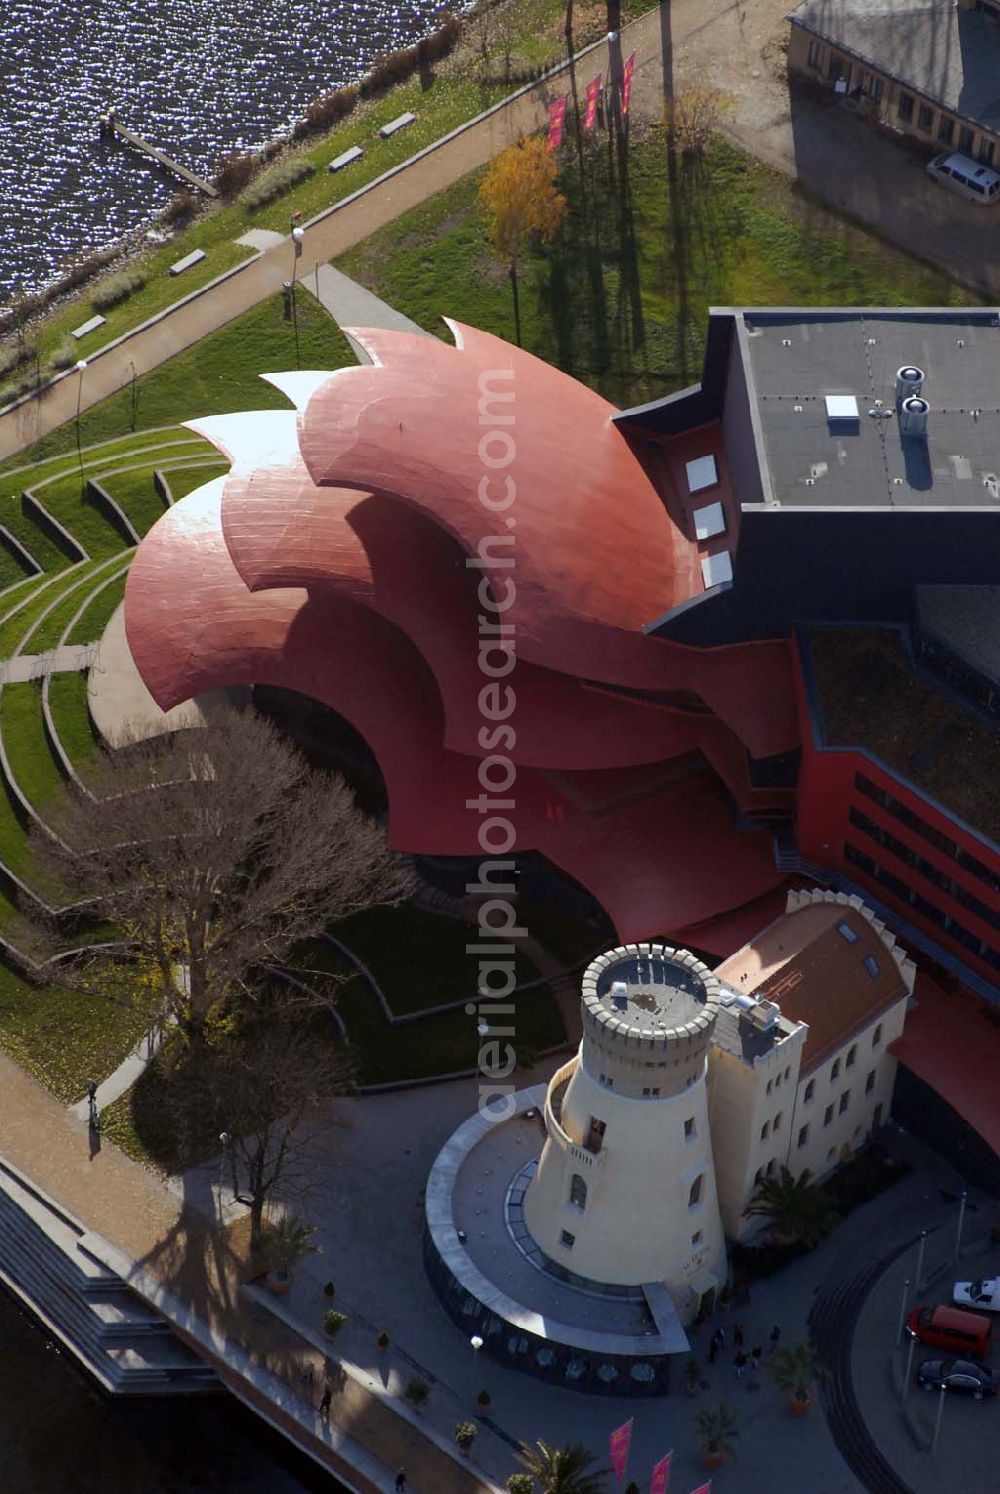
(620,299)
(71,718)
(62,1038)
(419,959)
(97,613)
(48,633)
(33,763)
(17,624)
(217,375)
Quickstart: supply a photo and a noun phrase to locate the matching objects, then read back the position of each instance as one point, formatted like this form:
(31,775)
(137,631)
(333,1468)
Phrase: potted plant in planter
(383,1340)
(416,1392)
(483,1400)
(284,1241)
(793,1369)
(692,1377)
(333,1321)
(466,1433)
(719,1427)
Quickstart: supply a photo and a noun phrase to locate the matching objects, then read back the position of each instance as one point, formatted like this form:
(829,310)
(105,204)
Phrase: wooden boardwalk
(164,160)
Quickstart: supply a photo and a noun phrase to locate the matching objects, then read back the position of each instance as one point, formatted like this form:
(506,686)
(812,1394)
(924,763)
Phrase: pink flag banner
(661,1476)
(593,94)
(619,1443)
(557,117)
(627,72)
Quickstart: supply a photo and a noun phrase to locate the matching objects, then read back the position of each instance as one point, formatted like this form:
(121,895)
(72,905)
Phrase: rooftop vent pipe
(909,381)
(913,416)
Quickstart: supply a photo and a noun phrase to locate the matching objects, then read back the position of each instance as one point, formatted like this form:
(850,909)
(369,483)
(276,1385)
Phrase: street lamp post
(918,1278)
(477,1344)
(81,369)
(940,1413)
(909,1369)
(961,1221)
(298,235)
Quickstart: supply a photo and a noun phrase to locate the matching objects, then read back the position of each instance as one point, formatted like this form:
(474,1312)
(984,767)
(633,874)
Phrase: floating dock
(111,126)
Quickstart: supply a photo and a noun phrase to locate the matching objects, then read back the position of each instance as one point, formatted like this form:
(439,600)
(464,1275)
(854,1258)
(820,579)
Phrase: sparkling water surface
(198,80)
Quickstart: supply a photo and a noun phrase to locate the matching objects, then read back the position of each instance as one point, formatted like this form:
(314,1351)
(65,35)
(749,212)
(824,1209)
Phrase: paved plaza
(375,1154)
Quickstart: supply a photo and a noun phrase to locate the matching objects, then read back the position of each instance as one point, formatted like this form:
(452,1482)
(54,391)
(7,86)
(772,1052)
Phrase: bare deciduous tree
(258,1086)
(213,853)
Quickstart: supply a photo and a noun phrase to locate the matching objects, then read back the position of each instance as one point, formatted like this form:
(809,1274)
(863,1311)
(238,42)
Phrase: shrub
(13,356)
(466,1433)
(182,206)
(520,1483)
(117,288)
(278,179)
(77,272)
(235,172)
(417,1391)
(323,113)
(65,355)
(333,1321)
(483,1399)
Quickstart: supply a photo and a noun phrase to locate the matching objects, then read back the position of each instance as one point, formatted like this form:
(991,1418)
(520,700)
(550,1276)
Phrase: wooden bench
(347,158)
(395,125)
(193,258)
(91,326)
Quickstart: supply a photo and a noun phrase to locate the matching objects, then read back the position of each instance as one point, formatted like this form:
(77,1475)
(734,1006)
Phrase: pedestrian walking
(775,1337)
(755,1356)
(400,1481)
(92,1103)
(740,1363)
(326,1402)
(738,1336)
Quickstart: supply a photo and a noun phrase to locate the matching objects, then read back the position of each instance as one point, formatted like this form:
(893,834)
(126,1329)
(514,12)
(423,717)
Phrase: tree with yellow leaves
(519,196)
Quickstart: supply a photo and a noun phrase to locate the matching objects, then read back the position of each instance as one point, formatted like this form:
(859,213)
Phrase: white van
(966,176)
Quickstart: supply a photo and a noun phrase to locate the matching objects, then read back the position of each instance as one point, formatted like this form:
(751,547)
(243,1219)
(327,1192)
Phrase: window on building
(803,1135)
(904,107)
(697,1237)
(778,1119)
(694,1194)
(835,1071)
(870,1082)
(986,151)
(777,1081)
(835,67)
(608,1083)
(787,1072)
(651,1092)
(852,1054)
(808,1092)
(946,129)
(566,1240)
(877,1036)
(770,1086)
(828,1115)
(689,1128)
(925,118)
(815,58)
(769,1169)
(871,965)
(765,1130)
(845,1100)
(577,1192)
(965,139)
(875,88)
(846,932)
(758,1177)
(595,1137)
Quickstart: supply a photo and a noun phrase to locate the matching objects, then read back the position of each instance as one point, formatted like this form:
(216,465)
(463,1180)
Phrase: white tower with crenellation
(625,1188)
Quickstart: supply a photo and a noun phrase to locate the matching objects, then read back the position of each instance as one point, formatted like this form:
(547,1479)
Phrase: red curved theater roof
(333,561)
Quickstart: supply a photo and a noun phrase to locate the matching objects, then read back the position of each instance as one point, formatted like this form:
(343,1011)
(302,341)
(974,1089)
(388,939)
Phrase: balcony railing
(553,1119)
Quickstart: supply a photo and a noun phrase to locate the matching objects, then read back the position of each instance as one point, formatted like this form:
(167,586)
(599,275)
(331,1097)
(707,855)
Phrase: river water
(59,1435)
(198,78)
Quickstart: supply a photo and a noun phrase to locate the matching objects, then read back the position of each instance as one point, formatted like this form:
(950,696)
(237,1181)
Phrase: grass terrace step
(47,630)
(70,715)
(95,617)
(34,766)
(18,624)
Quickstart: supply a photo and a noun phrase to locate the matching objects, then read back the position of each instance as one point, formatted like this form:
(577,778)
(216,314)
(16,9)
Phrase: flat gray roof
(796,359)
(951,55)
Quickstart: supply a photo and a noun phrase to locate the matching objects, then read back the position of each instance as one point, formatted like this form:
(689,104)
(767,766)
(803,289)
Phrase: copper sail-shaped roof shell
(334,560)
